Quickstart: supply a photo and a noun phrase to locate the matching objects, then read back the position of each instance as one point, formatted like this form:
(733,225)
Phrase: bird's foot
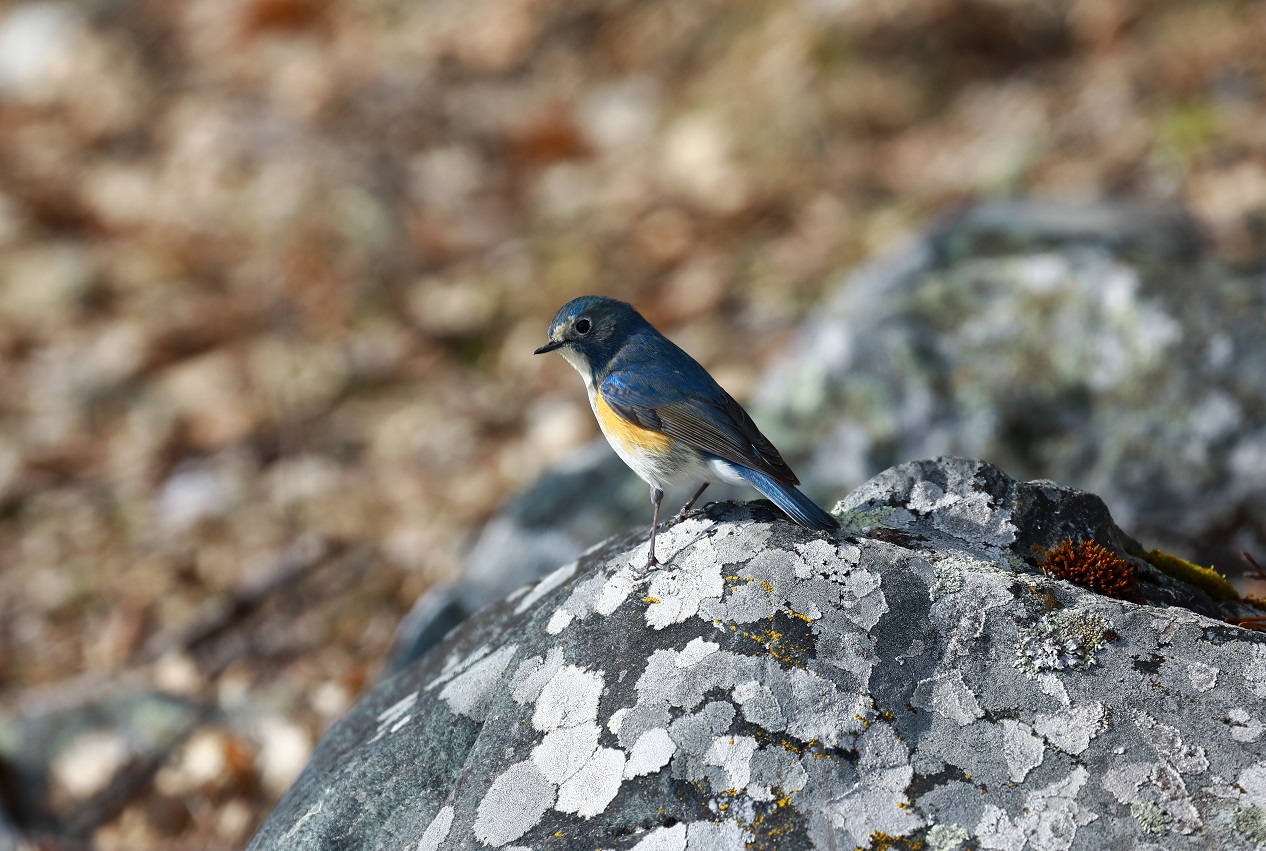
(680,516)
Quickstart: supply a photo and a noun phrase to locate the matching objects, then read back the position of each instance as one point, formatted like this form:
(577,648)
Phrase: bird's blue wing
(705,417)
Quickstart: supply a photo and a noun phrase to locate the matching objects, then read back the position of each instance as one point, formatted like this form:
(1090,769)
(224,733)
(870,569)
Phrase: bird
(665,416)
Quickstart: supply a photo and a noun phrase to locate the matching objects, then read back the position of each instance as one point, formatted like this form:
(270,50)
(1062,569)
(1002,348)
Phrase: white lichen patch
(1188,759)
(955,566)
(862,598)
(774,767)
(1164,779)
(1124,781)
(568,769)
(1049,821)
(733,755)
(877,801)
(871,806)
(947,695)
(818,710)
(1201,676)
(758,705)
(532,675)
(564,751)
(395,716)
(664,839)
(820,557)
(559,621)
(968,517)
(1253,781)
(716,836)
(1244,727)
(568,699)
(546,585)
(588,792)
(455,664)
(470,692)
(651,752)
(1050,685)
(437,831)
(616,590)
(1071,730)
(694,733)
(513,805)
(965,615)
(1022,748)
(695,651)
(676,594)
(1255,670)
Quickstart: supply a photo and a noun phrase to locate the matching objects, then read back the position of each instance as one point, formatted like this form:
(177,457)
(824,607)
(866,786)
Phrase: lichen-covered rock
(911,678)
(1096,345)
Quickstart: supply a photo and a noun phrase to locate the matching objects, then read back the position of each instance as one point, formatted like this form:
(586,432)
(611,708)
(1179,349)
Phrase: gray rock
(71,762)
(1096,345)
(912,676)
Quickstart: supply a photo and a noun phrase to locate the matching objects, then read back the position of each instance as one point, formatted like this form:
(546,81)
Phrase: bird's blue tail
(797,506)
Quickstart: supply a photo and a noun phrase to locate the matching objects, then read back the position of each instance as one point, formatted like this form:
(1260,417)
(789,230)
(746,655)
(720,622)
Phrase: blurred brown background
(271,271)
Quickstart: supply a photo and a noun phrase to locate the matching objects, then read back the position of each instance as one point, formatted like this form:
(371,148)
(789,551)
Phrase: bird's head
(589,330)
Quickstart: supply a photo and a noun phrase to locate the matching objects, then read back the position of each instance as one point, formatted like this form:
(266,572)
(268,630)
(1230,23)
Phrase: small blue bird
(665,416)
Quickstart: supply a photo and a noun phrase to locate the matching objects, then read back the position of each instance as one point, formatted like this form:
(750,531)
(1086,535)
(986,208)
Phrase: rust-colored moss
(1092,566)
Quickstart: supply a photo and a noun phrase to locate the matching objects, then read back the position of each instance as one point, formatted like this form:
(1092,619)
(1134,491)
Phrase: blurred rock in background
(271,272)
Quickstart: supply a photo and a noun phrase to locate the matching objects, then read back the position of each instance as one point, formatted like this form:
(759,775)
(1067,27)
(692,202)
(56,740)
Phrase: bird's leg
(685,509)
(657,496)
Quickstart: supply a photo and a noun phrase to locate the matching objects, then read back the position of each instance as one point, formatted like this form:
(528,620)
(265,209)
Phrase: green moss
(1205,578)
(1251,821)
(1151,818)
(861,520)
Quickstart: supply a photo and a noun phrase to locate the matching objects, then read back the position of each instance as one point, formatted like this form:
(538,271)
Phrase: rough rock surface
(912,677)
(1096,345)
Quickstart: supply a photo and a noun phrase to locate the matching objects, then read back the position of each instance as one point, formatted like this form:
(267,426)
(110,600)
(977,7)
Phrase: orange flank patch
(633,438)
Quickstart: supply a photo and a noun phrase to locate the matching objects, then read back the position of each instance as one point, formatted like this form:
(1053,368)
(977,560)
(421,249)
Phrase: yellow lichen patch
(880,841)
(650,600)
(767,586)
(791,747)
(796,614)
(1205,578)
(1092,566)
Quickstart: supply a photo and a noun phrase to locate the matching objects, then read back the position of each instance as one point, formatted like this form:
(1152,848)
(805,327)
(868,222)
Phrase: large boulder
(1097,345)
(914,678)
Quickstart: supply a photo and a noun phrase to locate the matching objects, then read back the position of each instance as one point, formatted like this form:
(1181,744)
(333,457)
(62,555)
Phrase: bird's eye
(583,326)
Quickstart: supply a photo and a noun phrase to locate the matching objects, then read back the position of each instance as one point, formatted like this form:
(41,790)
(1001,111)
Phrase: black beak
(548,347)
